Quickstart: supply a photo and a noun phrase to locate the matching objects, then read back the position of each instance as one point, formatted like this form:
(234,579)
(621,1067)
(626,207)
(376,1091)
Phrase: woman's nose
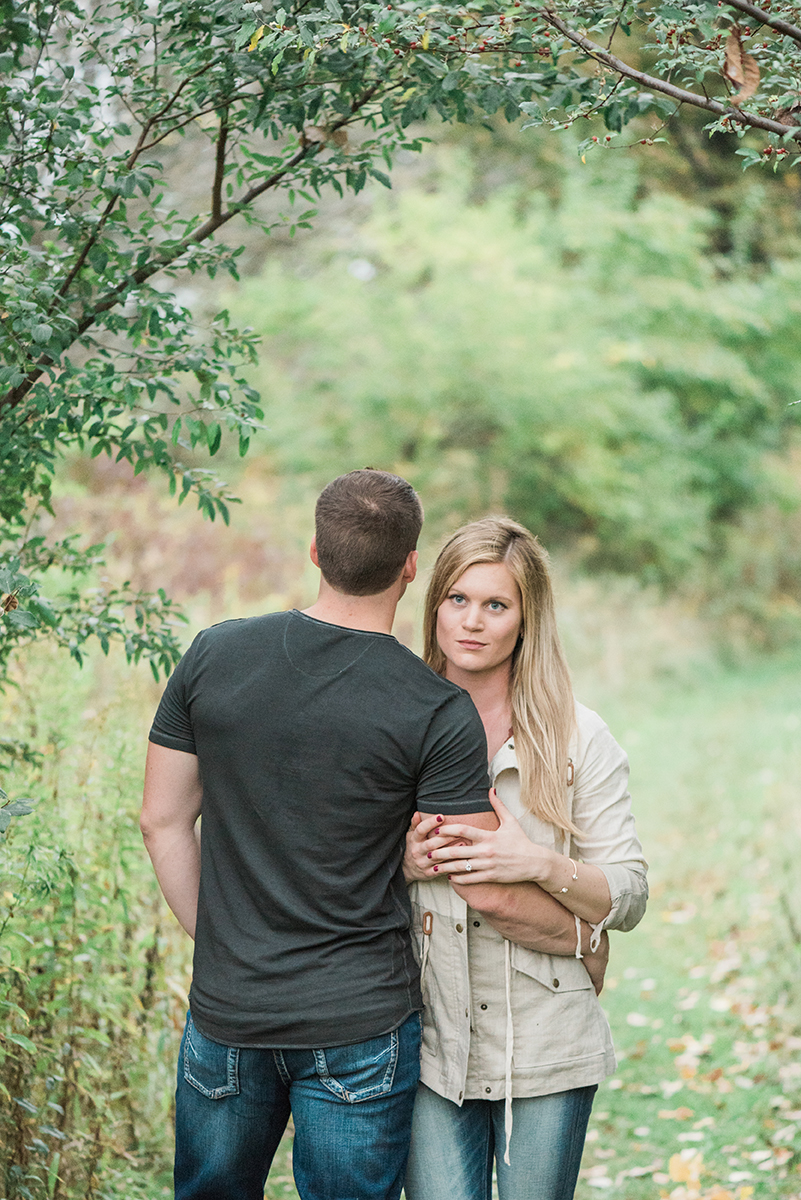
(472,617)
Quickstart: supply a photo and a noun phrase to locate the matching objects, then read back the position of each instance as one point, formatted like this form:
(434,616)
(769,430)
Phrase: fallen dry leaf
(740,69)
(686,1168)
(676,1114)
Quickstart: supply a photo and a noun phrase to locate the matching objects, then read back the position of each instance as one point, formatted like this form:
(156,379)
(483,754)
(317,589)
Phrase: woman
(503,1018)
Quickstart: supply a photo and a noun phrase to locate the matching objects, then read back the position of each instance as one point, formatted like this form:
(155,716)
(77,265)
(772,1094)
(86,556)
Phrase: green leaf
(19,1039)
(42,332)
(52,1173)
(5,819)
(214,436)
(21,807)
(21,619)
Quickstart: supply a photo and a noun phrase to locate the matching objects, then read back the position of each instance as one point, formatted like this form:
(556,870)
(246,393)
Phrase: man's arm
(525,914)
(522,912)
(170,810)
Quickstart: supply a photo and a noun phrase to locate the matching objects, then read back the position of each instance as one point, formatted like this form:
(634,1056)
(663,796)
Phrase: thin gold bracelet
(575,875)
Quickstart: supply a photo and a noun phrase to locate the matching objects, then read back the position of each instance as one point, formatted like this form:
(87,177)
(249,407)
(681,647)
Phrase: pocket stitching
(377,1089)
(231,1088)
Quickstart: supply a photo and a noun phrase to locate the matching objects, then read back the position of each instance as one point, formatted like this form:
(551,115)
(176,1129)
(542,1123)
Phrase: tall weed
(93,975)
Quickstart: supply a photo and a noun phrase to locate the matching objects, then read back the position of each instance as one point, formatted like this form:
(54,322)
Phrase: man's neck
(371,614)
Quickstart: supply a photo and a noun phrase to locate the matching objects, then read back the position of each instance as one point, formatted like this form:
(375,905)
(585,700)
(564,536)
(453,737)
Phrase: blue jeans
(352,1110)
(453,1148)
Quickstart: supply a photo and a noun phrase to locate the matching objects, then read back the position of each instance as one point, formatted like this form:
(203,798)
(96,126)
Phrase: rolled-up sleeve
(608,838)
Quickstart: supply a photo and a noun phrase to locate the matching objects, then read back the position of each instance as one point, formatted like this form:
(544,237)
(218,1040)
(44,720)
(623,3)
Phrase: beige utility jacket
(501,1020)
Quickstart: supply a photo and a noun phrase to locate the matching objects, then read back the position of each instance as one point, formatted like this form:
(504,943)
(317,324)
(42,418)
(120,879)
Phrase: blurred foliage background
(607,350)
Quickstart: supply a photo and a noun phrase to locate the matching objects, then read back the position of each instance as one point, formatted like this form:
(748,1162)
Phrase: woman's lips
(472,645)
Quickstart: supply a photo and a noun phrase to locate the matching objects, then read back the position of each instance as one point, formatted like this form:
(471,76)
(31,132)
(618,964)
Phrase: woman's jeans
(453,1148)
(351,1105)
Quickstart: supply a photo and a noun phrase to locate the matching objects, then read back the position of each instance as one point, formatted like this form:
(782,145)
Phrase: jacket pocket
(211,1068)
(556,973)
(559,1023)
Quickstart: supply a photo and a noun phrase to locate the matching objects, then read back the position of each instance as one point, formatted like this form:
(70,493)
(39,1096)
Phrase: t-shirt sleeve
(172,724)
(453,774)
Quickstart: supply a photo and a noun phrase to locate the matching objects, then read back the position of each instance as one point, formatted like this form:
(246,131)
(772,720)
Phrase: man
(308,739)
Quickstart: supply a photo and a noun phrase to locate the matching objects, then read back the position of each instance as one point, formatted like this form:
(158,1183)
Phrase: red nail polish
(429,854)
(436,868)
(440,818)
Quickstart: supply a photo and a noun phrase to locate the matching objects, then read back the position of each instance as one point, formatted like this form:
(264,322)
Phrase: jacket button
(556,983)
(460,1095)
(484,1007)
(459,929)
(476,924)
(488,1091)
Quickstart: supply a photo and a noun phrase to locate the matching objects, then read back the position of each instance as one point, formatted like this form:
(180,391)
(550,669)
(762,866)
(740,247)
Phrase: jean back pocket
(211,1068)
(359,1072)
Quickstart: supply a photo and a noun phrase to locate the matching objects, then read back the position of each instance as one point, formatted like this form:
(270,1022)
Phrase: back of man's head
(367,522)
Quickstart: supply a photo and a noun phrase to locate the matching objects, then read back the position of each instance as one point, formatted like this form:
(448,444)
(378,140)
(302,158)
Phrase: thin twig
(620,12)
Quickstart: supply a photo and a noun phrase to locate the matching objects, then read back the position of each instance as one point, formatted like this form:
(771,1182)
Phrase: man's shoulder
(244,628)
(411,665)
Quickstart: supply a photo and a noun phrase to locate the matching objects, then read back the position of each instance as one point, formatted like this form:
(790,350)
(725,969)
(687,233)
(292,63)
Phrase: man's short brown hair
(367,522)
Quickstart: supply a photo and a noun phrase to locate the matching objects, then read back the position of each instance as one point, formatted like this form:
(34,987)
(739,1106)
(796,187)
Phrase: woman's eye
(457,598)
(497,606)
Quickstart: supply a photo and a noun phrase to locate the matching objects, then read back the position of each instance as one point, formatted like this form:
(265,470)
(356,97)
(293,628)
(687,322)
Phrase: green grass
(703,997)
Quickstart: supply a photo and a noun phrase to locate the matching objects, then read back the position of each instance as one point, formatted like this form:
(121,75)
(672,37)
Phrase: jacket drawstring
(428,924)
(510,1046)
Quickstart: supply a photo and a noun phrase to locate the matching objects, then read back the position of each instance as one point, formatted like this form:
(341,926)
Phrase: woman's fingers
(425,827)
(499,806)
(449,856)
(463,832)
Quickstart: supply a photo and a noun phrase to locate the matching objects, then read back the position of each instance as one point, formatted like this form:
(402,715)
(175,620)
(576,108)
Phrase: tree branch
(219,168)
(655,84)
(14,396)
(766,18)
(132,158)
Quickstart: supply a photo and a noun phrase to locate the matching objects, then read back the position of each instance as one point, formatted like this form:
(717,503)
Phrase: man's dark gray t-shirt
(315,745)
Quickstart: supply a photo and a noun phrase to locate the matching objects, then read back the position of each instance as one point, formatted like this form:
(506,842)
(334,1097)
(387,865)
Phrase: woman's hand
(415,862)
(504,855)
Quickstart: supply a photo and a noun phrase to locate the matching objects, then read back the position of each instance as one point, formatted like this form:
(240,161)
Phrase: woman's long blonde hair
(543,713)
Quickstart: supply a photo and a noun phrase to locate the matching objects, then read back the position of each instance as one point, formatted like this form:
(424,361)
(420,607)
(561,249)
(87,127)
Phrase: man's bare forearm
(525,914)
(175,855)
(170,810)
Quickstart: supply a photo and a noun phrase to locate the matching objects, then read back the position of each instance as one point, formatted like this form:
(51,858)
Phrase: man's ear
(313,551)
(410,567)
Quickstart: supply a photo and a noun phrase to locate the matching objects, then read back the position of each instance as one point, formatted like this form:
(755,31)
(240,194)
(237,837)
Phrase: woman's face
(479,621)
